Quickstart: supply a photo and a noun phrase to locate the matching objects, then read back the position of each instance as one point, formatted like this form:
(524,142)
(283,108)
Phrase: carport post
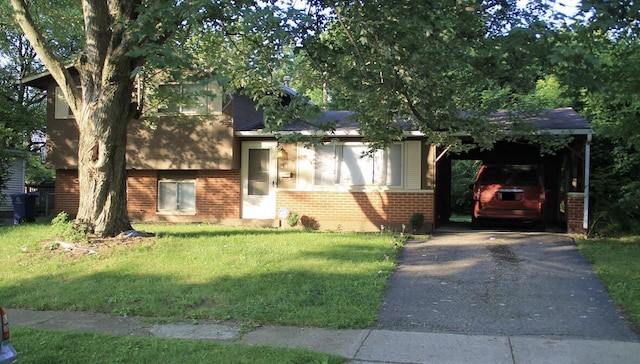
(587,163)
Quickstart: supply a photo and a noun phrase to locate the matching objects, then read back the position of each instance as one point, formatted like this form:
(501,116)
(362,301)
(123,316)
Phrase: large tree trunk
(103,109)
(101,152)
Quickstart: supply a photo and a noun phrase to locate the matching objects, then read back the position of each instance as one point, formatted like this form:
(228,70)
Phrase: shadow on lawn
(162,231)
(289,298)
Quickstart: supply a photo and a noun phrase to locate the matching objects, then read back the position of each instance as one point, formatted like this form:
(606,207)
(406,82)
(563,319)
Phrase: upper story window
(344,165)
(189,99)
(62,109)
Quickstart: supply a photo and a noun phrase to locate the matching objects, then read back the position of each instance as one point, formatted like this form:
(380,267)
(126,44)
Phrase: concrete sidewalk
(360,346)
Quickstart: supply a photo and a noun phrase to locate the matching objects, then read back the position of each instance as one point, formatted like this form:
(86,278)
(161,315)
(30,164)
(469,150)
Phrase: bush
(615,199)
(309,223)
(293,219)
(463,175)
(68,229)
(417,221)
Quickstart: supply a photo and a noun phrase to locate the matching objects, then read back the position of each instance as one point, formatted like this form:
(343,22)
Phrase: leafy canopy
(440,67)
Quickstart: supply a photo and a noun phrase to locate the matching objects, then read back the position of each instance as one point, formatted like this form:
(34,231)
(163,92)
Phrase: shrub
(417,221)
(68,229)
(309,223)
(293,219)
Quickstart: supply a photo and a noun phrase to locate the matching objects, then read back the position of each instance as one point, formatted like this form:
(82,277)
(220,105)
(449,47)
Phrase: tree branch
(58,71)
(97,24)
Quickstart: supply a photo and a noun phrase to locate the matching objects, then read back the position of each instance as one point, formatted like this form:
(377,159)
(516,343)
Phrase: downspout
(587,163)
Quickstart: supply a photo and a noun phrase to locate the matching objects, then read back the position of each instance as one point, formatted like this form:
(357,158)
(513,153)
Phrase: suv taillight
(5,325)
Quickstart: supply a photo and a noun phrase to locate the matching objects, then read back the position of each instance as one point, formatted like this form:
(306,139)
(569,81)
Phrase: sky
(568,7)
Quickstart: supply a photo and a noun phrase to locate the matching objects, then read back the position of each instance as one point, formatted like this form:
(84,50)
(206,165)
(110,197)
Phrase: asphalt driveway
(500,283)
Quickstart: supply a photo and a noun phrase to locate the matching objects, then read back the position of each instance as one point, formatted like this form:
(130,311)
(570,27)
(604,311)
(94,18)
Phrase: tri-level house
(225,169)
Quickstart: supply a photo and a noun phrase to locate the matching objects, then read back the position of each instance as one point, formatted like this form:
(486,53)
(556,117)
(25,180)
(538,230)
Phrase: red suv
(508,191)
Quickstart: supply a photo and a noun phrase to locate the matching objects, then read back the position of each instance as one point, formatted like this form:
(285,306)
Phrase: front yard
(203,272)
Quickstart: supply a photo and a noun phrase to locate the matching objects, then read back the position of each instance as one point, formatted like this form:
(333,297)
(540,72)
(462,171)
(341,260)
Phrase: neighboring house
(16,182)
(227,170)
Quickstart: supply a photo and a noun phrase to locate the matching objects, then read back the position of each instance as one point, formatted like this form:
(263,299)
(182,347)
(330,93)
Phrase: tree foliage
(597,59)
(22,108)
(424,62)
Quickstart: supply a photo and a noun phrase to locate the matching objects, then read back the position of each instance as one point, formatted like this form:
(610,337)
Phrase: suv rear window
(509,175)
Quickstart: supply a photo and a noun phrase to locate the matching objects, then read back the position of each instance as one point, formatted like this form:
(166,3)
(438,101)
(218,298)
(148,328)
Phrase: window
(344,165)
(62,109)
(190,99)
(177,194)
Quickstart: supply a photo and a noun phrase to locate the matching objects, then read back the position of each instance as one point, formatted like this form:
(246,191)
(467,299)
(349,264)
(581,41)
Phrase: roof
(44,79)
(343,121)
(557,121)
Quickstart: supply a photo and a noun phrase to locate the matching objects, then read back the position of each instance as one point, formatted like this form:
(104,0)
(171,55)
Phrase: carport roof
(561,120)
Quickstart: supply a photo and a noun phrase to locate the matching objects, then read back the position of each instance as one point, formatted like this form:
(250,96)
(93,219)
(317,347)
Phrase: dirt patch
(117,242)
(503,253)
(96,245)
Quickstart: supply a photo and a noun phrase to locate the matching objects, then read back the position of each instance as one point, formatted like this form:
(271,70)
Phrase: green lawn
(198,272)
(46,346)
(617,263)
(207,272)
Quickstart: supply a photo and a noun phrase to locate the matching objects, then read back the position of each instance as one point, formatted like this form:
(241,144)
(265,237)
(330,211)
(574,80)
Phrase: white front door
(259,168)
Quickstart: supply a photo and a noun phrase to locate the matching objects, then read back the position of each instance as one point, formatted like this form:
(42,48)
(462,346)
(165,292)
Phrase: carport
(566,172)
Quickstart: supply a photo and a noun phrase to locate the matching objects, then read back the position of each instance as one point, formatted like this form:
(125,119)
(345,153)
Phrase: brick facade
(142,192)
(67,192)
(575,213)
(359,211)
(218,197)
(217,194)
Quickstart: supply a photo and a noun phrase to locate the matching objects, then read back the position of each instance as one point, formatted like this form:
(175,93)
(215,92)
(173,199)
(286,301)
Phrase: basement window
(177,192)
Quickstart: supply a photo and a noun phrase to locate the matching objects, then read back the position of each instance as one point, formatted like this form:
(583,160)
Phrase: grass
(616,263)
(204,272)
(46,346)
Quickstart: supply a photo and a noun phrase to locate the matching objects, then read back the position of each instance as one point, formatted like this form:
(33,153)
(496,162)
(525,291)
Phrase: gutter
(414,133)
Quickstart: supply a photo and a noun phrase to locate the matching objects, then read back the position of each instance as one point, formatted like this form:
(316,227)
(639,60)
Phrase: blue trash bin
(24,207)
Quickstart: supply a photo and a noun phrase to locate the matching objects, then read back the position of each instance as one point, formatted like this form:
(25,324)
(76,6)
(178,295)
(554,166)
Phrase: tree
(424,62)
(21,109)
(119,39)
(597,61)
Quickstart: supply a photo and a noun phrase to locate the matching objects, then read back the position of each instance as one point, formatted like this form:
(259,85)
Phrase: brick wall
(575,213)
(67,192)
(142,192)
(217,194)
(359,211)
(219,199)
